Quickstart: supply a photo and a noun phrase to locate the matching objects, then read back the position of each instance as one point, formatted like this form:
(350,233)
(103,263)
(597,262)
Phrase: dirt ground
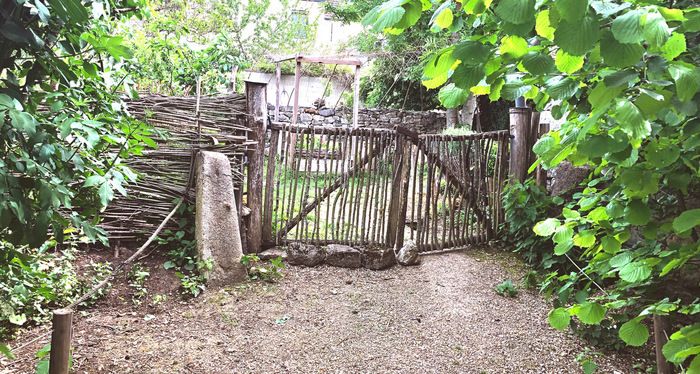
(440,317)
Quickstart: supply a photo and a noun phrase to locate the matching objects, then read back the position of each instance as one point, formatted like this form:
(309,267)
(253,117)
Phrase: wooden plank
(328,130)
(329,60)
(257,121)
(59,360)
(270,187)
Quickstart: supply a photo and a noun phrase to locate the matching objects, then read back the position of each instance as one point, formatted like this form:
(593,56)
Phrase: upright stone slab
(217,223)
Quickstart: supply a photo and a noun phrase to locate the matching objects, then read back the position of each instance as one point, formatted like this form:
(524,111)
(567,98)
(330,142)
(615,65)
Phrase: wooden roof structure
(328,60)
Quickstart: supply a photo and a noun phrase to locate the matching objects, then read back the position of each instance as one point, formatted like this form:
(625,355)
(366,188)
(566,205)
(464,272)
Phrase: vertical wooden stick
(59,361)
(257,121)
(297,78)
(661,326)
(278,79)
(269,188)
(403,199)
(356,97)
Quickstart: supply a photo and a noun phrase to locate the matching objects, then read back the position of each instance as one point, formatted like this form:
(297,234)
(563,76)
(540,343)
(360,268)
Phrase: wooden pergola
(297,78)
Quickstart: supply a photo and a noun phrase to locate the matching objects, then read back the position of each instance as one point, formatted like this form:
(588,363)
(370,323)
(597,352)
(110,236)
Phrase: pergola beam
(297,78)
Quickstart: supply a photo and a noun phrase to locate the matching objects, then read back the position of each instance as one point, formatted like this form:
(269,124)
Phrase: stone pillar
(217,225)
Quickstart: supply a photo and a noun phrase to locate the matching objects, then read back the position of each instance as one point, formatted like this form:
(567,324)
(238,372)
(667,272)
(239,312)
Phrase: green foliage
(182,252)
(36,280)
(626,84)
(65,130)
(524,205)
(6,351)
(393,81)
(180,41)
(257,270)
(506,288)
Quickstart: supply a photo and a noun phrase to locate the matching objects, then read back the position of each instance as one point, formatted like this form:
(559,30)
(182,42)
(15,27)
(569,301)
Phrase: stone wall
(423,122)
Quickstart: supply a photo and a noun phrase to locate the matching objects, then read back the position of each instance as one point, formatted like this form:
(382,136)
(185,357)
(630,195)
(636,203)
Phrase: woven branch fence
(164,172)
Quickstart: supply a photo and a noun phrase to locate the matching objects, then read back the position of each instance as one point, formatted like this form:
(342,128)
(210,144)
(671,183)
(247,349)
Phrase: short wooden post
(519,144)
(59,360)
(661,326)
(256,99)
(270,187)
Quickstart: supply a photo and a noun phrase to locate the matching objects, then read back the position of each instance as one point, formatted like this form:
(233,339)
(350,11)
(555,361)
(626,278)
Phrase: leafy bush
(624,77)
(524,205)
(33,281)
(182,252)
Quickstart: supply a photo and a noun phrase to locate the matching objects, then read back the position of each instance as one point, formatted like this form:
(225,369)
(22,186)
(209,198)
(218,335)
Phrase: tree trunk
(452,117)
(467,113)
(485,116)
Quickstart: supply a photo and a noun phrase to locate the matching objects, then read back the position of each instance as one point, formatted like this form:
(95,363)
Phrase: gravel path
(440,317)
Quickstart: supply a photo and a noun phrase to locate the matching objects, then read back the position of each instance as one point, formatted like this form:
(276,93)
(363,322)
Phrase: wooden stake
(59,361)
(257,121)
(661,325)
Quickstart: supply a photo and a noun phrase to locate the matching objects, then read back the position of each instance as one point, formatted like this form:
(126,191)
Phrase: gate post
(256,100)
(520,125)
(399,190)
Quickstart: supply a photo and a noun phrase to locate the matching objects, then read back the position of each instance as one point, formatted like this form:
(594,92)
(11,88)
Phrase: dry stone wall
(424,122)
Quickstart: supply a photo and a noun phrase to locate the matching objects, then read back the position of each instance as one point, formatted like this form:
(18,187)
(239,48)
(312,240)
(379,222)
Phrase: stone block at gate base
(217,225)
(343,256)
(378,258)
(305,254)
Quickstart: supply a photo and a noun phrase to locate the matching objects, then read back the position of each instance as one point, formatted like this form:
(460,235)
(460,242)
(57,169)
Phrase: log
(519,146)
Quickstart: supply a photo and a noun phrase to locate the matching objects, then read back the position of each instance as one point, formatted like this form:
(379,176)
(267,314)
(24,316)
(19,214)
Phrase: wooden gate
(361,186)
(451,188)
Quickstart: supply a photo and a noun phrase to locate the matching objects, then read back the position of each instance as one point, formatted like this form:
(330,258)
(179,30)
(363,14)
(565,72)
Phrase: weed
(507,289)
(137,279)
(158,299)
(531,280)
(257,270)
